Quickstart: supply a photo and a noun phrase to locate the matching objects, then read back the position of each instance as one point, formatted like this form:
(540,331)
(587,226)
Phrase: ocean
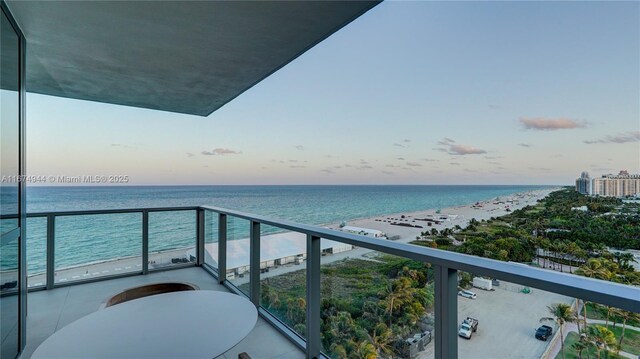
(94,238)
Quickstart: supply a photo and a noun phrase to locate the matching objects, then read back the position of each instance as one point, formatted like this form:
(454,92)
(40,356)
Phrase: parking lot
(507,323)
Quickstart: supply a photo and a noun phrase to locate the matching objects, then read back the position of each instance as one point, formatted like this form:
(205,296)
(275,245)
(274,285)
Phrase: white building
(364,231)
(275,250)
(620,185)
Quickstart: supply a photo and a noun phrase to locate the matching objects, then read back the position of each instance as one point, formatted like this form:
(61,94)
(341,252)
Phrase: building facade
(583,184)
(620,185)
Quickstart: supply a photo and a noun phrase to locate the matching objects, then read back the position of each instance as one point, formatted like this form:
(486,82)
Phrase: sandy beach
(460,215)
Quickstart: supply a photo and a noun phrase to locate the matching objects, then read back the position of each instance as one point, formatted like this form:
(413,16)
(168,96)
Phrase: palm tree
(625,315)
(601,337)
(381,338)
(593,268)
(579,347)
(572,250)
(561,313)
(365,350)
(392,299)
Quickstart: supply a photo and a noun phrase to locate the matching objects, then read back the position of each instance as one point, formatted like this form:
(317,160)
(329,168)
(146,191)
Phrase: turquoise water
(92,238)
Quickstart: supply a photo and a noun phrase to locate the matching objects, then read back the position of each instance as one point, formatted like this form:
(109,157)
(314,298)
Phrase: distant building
(620,185)
(583,184)
(363,231)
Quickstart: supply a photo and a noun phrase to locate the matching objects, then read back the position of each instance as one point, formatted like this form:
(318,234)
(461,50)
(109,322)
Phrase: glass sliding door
(11,189)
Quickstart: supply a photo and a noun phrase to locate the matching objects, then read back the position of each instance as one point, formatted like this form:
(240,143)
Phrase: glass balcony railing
(341,295)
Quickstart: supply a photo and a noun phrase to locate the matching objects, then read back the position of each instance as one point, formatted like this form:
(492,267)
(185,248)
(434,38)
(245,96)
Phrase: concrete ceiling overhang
(181,56)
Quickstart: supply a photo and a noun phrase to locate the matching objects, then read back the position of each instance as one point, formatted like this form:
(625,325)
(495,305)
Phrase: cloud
(469,170)
(399,145)
(464,150)
(453,148)
(446,141)
(495,163)
(122,145)
(413,164)
(300,147)
(363,162)
(406,140)
(428,160)
(492,157)
(297,166)
(221,152)
(454,163)
(631,136)
(326,170)
(551,124)
(495,107)
(524,145)
(400,158)
(365,167)
(189,154)
(388,172)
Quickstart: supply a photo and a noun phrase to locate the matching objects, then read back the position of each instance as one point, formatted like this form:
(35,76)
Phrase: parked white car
(467,294)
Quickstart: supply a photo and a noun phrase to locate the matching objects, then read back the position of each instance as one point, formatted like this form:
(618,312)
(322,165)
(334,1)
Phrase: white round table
(188,324)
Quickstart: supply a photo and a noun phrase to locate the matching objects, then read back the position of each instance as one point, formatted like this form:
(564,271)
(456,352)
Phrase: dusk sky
(409,93)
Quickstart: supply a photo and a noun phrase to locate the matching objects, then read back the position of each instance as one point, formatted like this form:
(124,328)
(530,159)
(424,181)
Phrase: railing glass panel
(494,308)
(211,222)
(283,276)
(172,238)
(238,251)
(36,252)
(610,332)
(97,245)
(375,304)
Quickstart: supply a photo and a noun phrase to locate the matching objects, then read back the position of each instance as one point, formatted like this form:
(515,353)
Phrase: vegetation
(566,235)
(578,348)
(561,313)
(369,307)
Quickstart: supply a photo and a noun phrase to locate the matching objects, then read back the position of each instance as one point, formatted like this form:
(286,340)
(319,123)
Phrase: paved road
(507,323)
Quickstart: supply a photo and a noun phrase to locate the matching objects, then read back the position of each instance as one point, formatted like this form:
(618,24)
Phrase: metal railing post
(446,312)
(145,242)
(51,240)
(200,236)
(254,263)
(313,297)
(222,247)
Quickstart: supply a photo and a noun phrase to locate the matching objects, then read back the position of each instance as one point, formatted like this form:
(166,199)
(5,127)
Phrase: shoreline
(460,215)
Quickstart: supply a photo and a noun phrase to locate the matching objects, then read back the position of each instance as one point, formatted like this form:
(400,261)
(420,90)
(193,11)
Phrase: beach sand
(495,207)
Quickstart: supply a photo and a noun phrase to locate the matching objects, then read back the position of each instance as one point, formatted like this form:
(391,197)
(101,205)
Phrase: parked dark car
(544,332)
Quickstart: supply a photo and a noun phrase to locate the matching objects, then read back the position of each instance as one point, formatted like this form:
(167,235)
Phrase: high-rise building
(583,184)
(620,185)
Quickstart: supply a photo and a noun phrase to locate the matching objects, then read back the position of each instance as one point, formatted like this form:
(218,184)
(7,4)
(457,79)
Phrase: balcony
(304,281)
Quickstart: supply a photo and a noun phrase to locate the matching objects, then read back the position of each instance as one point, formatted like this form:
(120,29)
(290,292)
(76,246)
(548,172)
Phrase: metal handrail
(445,264)
(603,292)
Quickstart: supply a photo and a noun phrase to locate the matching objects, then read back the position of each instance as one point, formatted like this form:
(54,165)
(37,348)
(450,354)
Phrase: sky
(409,93)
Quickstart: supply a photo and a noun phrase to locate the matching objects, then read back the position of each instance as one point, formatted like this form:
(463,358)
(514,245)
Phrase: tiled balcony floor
(51,310)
